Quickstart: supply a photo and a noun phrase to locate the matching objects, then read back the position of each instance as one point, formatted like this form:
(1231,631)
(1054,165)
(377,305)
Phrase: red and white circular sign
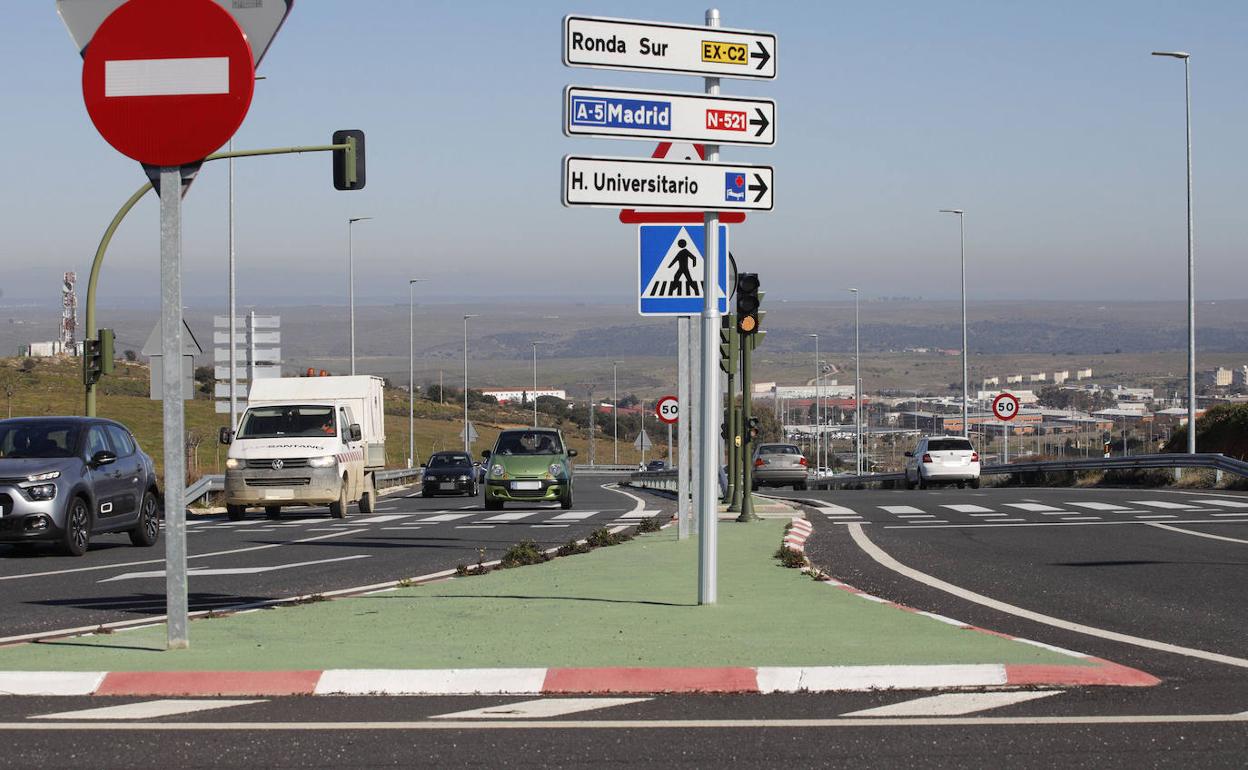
(167,83)
(667,409)
(1005,406)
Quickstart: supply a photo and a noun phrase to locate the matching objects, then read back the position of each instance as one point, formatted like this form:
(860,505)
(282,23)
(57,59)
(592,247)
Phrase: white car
(942,460)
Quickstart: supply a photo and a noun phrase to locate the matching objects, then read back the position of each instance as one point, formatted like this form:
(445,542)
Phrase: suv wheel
(77,533)
(147,530)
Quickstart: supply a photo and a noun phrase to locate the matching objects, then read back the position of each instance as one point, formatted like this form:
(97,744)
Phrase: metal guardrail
(666,479)
(202,487)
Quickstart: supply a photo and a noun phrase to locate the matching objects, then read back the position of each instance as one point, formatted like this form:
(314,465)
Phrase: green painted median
(626,605)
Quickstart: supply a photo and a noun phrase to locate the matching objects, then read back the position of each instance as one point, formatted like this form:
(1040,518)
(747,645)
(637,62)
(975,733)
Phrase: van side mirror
(571,453)
(103,457)
(354,431)
(225,435)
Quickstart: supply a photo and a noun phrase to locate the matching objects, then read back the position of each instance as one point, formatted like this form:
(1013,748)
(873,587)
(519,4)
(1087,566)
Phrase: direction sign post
(682,428)
(168,99)
(1005,408)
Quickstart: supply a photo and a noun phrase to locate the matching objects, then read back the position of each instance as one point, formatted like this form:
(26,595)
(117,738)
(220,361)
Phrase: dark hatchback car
(449,473)
(64,479)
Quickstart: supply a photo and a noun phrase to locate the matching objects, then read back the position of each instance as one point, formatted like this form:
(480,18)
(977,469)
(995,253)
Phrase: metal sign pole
(708,503)
(695,426)
(173,407)
(682,427)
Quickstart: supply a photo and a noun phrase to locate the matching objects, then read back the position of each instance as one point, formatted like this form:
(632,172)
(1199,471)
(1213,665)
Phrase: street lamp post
(818,417)
(351,280)
(467,442)
(615,411)
(535,343)
(966,401)
(1191,255)
(411,371)
(857,393)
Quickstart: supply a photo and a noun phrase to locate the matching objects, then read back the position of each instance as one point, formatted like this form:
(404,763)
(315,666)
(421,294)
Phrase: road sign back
(168,83)
(669,269)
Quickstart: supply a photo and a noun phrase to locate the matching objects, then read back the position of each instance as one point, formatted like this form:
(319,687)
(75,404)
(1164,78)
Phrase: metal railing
(1219,463)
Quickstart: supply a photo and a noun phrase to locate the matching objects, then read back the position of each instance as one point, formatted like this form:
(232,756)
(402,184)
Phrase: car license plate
(279,494)
(447,485)
(526,485)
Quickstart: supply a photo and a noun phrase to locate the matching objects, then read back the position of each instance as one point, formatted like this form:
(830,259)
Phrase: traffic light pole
(98,261)
(747,468)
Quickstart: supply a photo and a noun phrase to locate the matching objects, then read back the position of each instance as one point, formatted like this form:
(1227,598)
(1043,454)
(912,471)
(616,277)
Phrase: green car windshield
(528,443)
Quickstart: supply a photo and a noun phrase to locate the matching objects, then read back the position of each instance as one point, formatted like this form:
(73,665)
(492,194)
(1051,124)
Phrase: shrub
(522,553)
(573,547)
(652,524)
(791,558)
(602,537)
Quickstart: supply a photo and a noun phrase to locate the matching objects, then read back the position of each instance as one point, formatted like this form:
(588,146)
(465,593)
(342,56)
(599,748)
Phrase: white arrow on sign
(634,114)
(627,44)
(648,183)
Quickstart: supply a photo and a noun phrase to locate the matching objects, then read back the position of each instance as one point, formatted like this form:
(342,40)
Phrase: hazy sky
(1048,122)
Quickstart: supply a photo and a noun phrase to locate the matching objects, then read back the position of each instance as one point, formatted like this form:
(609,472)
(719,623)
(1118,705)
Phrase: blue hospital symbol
(734,186)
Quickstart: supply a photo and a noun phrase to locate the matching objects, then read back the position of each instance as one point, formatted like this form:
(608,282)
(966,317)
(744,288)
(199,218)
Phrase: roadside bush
(791,558)
(602,537)
(652,524)
(523,553)
(572,548)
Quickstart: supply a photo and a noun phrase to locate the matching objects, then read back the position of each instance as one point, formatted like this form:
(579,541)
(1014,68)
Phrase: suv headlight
(327,461)
(497,470)
(44,476)
(41,491)
(233,463)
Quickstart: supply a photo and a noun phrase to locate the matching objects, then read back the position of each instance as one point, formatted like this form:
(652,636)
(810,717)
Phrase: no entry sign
(668,409)
(167,83)
(1005,406)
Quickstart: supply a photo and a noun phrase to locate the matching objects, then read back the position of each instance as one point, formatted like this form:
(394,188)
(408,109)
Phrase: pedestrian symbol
(671,268)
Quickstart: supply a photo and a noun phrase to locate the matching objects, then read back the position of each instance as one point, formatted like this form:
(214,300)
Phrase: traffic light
(751,430)
(728,345)
(104,346)
(349,162)
(90,362)
(748,300)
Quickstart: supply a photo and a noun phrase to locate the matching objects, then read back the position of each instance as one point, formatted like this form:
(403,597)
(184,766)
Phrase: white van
(306,441)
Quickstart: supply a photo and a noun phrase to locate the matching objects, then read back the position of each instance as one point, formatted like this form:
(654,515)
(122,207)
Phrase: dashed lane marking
(1082,518)
(515,516)
(1100,506)
(1157,516)
(1223,502)
(1033,507)
(146,709)
(1164,504)
(540,709)
(381,519)
(474,526)
(899,509)
(444,517)
(574,516)
(987,515)
(966,508)
(952,704)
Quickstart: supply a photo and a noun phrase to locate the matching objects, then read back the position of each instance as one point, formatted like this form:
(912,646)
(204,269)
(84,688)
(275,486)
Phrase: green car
(528,465)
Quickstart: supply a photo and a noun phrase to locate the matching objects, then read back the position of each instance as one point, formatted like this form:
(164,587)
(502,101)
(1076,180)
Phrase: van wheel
(961,485)
(338,509)
(235,512)
(147,530)
(370,494)
(77,533)
(273,511)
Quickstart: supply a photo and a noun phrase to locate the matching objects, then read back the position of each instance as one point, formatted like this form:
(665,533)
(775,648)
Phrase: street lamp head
(959,212)
(472,315)
(1173,54)
(416,280)
(353,220)
(816,336)
(855,291)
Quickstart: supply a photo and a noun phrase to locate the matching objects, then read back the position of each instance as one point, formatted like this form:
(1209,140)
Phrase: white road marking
(916,516)
(147,709)
(474,526)
(879,555)
(933,521)
(1199,534)
(444,517)
(574,515)
(515,516)
(900,508)
(964,508)
(987,515)
(552,526)
(381,519)
(952,704)
(1082,518)
(1228,514)
(830,508)
(856,723)
(1051,523)
(233,570)
(317,520)
(1157,516)
(541,708)
(1166,504)
(1033,507)
(1223,502)
(1100,506)
(405,528)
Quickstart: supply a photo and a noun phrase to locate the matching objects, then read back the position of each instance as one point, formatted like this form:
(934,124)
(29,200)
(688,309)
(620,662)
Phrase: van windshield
(528,443)
(288,422)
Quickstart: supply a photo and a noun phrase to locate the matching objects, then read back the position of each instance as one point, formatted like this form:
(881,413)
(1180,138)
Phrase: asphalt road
(304,552)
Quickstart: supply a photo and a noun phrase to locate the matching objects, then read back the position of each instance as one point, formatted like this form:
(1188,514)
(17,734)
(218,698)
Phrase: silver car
(64,479)
(779,465)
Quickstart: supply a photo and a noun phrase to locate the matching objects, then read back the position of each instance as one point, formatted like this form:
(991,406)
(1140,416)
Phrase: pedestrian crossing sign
(670,269)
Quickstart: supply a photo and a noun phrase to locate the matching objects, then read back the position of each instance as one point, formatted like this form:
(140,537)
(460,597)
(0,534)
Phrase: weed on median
(791,558)
(652,524)
(603,537)
(523,553)
(573,547)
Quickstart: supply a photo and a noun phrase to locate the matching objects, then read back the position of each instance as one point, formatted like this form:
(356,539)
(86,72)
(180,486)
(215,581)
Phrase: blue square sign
(670,269)
(734,186)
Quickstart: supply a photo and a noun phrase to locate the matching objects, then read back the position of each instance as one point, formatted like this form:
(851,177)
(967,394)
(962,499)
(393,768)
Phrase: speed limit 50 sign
(1005,406)
(667,409)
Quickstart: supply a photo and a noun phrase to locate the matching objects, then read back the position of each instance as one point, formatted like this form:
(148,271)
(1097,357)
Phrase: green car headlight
(556,470)
(497,470)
